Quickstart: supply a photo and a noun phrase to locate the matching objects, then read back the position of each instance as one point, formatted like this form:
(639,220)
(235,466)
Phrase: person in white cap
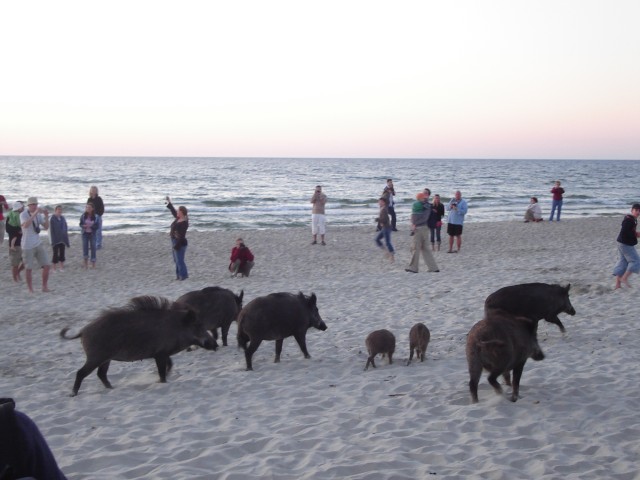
(32,221)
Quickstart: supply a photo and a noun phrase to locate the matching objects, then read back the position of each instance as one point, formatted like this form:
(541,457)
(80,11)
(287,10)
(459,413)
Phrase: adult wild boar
(216,307)
(380,341)
(499,343)
(533,300)
(419,337)
(276,317)
(147,327)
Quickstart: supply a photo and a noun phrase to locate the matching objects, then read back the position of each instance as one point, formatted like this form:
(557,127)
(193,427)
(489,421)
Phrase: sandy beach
(325,417)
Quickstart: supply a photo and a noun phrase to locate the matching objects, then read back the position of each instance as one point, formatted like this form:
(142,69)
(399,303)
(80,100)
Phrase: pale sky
(270,78)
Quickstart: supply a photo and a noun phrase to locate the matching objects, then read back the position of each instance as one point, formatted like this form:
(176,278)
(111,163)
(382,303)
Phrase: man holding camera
(457,211)
(318,200)
(31,221)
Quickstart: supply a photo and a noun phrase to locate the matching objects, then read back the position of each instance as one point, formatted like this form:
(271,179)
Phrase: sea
(267,193)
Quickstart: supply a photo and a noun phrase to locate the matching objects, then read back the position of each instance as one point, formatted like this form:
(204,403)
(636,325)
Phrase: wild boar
(276,317)
(533,300)
(499,343)
(216,307)
(380,341)
(147,327)
(419,337)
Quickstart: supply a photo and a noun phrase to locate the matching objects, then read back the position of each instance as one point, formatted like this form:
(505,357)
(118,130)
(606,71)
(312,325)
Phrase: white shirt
(30,239)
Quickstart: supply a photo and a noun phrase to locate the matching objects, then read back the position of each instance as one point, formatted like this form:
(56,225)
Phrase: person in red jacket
(241,259)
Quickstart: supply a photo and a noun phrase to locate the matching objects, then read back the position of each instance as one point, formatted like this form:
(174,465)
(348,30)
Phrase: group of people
(24,223)
(533,212)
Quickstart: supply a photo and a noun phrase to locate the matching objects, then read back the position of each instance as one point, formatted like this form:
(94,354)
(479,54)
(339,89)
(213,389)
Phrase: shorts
(36,253)
(454,230)
(317,224)
(15,256)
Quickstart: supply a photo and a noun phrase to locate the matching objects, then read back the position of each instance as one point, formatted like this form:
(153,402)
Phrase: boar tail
(63,334)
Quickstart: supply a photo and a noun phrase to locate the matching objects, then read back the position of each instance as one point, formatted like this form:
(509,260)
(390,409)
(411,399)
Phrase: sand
(325,417)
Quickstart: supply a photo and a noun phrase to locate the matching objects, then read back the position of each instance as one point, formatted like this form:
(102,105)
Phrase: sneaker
(322,243)
(314,243)
(410,271)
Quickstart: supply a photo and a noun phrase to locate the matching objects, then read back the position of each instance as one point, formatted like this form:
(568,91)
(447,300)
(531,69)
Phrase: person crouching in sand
(241,259)
(533,212)
(627,240)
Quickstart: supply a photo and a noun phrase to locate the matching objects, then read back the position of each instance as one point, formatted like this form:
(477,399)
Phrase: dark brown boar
(536,301)
(499,343)
(216,307)
(419,337)
(276,317)
(147,327)
(380,341)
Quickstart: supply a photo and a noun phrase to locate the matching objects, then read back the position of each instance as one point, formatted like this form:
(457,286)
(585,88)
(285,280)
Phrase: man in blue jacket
(457,211)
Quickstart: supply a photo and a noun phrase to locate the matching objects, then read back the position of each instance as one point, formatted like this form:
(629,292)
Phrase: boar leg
(390,358)
(278,350)
(302,342)
(102,374)
(507,378)
(250,350)
(225,332)
(411,355)
(370,361)
(162,362)
(86,369)
(556,320)
(517,373)
(493,380)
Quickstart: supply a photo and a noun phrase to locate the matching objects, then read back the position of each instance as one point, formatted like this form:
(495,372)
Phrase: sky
(275,78)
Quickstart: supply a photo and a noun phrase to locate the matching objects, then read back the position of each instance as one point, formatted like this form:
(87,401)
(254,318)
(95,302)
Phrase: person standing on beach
(457,210)
(319,200)
(627,240)
(557,191)
(89,224)
(59,237)
(14,230)
(419,222)
(98,206)
(385,228)
(435,222)
(31,221)
(389,192)
(178,236)
(3,206)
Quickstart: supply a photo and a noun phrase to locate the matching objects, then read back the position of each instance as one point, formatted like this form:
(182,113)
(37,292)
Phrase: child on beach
(59,237)
(89,223)
(417,207)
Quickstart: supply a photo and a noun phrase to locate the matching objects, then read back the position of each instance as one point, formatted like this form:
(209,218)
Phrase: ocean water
(242,193)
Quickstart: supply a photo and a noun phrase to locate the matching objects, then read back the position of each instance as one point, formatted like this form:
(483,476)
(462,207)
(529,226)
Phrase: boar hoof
(307,356)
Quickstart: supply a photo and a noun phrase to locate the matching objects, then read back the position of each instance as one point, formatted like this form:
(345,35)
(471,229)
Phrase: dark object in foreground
(216,307)
(419,337)
(276,317)
(380,341)
(147,327)
(536,301)
(499,343)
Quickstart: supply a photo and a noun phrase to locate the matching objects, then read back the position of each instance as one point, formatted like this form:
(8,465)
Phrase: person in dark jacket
(98,206)
(241,259)
(178,236)
(627,240)
(58,231)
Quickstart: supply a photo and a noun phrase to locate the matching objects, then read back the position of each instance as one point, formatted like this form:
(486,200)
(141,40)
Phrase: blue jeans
(178,258)
(435,234)
(629,260)
(99,234)
(89,241)
(555,204)
(386,233)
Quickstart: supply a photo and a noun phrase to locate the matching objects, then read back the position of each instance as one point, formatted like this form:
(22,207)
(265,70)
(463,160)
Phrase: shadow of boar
(276,317)
(147,327)
(419,337)
(499,343)
(216,307)
(536,301)
(380,341)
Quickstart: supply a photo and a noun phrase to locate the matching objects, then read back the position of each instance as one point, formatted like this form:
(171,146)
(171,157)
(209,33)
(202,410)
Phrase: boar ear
(240,297)
(312,300)
(190,316)
(568,286)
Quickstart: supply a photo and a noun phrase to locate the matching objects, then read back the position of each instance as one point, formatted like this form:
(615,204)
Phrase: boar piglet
(419,337)
(380,341)
(147,327)
(276,317)
(216,307)
(499,343)
(536,301)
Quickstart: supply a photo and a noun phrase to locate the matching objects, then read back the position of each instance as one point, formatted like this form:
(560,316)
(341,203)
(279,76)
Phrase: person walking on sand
(533,212)
(420,227)
(457,210)
(89,224)
(385,229)
(627,240)
(14,230)
(241,260)
(98,206)
(319,200)
(31,221)
(389,193)
(178,236)
(557,191)
(58,231)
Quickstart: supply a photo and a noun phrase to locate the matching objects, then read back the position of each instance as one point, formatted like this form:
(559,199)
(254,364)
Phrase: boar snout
(321,326)
(208,343)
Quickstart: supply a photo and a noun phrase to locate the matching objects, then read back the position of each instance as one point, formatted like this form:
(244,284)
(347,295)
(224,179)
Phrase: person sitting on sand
(533,212)
(627,240)
(241,259)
